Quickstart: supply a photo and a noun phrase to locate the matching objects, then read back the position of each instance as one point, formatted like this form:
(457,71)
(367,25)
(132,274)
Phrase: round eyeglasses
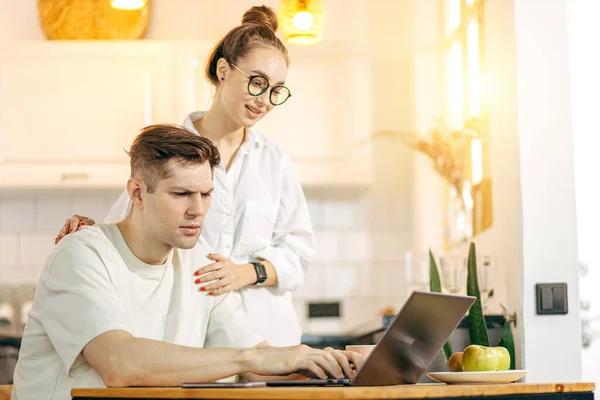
(258,84)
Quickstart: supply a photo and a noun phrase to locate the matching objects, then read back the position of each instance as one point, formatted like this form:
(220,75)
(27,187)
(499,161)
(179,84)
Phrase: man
(116,306)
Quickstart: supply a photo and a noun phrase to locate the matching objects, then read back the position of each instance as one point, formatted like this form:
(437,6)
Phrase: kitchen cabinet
(68,110)
(193,91)
(327,121)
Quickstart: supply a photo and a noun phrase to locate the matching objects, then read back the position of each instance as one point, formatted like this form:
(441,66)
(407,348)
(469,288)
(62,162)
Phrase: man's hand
(312,363)
(227,275)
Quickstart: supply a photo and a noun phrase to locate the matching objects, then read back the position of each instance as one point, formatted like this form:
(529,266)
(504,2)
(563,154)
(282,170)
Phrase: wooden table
(513,391)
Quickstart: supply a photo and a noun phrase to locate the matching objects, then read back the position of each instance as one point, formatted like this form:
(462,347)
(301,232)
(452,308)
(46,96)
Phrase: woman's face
(243,108)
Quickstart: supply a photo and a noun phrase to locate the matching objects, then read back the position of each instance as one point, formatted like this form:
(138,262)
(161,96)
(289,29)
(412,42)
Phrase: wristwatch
(261,272)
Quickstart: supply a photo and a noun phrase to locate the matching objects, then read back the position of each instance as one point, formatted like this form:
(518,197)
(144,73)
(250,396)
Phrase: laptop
(409,344)
(403,353)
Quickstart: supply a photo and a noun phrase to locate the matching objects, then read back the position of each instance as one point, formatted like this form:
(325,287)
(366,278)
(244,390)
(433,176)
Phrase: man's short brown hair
(155,145)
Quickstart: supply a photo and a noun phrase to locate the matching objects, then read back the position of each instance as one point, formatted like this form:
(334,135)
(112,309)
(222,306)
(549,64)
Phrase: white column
(551,344)
(584,52)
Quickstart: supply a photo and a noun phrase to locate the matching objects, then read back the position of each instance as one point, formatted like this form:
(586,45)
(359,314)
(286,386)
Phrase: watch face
(261,272)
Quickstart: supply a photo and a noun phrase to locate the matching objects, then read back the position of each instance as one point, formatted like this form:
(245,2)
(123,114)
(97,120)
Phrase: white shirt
(258,211)
(145,278)
(88,288)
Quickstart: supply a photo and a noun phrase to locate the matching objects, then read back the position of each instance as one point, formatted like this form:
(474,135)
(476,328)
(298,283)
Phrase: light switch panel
(551,298)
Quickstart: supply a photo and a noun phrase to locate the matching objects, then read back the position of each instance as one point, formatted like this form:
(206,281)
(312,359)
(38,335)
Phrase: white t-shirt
(147,281)
(92,284)
(258,211)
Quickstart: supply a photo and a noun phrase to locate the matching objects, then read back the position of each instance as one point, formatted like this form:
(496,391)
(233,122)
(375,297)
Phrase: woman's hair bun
(261,15)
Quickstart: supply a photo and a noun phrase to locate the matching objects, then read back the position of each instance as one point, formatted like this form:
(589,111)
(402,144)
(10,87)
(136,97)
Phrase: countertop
(419,391)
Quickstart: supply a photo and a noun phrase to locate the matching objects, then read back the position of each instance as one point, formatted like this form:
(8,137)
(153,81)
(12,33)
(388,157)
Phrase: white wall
(584,57)
(534,226)
(534,229)
(549,228)
(361,237)
(196,19)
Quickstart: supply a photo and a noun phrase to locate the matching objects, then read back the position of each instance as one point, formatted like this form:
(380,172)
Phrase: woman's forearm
(271,274)
(250,272)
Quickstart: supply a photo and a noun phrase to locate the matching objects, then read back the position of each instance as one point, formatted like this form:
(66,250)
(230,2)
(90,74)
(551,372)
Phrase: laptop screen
(413,339)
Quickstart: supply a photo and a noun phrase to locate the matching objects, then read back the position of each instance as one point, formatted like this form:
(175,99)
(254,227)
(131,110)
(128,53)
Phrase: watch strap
(261,272)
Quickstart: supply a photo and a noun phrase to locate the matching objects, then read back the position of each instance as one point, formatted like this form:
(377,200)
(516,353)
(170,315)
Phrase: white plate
(478,377)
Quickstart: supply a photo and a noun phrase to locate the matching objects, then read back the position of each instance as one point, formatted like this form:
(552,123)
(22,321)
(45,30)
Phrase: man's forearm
(165,364)
(145,362)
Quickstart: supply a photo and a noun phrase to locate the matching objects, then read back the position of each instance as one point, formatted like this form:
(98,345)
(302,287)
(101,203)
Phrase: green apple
(504,358)
(480,358)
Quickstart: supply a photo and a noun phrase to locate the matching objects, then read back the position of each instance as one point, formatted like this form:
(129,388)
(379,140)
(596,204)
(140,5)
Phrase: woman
(258,213)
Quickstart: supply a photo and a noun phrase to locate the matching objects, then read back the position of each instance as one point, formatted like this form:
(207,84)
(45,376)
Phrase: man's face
(175,212)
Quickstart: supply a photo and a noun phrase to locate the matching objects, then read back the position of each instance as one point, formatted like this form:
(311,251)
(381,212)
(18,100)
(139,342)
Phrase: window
(465,104)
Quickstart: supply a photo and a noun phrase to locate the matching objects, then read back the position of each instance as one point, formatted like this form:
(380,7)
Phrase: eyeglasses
(258,84)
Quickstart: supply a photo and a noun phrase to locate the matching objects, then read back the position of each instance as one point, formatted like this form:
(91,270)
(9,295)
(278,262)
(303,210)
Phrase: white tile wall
(340,214)
(377,213)
(9,250)
(361,240)
(397,281)
(390,246)
(315,209)
(379,276)
(328,249)
(17,214)
(29,223)
(34,249)
(360,315)
(18,275)
(341,282)
(355,246)
(314,284)
(95,204)
(52,211)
